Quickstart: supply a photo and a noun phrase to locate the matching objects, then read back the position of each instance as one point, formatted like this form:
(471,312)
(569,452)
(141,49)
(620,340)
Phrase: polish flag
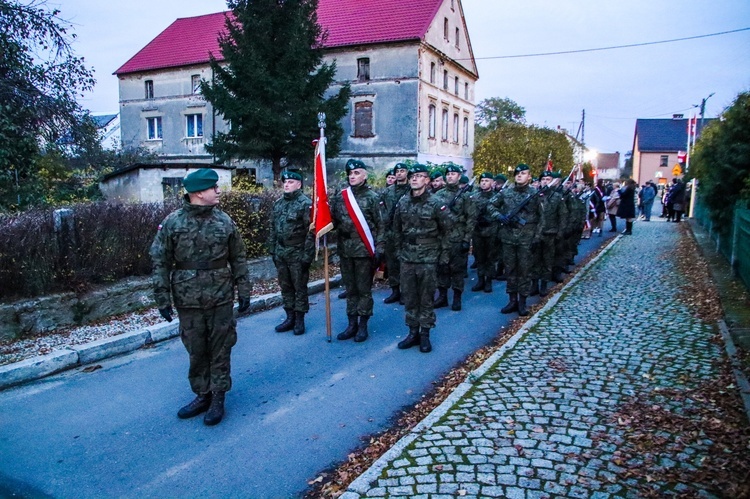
(321,221)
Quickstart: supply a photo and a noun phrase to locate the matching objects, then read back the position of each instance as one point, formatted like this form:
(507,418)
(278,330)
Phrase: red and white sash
(359,220)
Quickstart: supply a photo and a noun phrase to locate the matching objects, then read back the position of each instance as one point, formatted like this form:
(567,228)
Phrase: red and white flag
(360,223)
(692,125)
(549,163)
(321,220)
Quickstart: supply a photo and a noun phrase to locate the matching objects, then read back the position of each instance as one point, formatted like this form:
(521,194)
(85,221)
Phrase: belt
(422,240)
(292,241)
(216,264)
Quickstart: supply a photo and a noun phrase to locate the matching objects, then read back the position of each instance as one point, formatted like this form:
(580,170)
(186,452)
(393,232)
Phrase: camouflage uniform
(190,255)
(555,218)
(388,201)
(484,240)
(463,218)
(292,247)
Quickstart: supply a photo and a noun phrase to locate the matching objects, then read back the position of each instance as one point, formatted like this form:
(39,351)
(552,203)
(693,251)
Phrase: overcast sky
(614,86)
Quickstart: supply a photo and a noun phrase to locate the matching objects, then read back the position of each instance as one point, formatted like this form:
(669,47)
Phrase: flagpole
(322,126)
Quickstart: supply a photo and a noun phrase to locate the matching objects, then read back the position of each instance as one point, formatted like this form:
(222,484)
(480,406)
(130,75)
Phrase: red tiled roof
(348,22)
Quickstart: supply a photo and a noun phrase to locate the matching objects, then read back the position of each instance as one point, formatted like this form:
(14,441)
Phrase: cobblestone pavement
(539,422)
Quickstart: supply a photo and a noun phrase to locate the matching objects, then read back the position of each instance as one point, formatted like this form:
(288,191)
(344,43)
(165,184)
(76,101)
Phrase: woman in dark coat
(626,209)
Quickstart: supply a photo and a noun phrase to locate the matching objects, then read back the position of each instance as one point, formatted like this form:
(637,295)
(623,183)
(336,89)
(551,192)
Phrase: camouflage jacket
(555,212)
(422,229)
(290,238)
(463,214)
(485,226)
(194,236)
(577,212)
(350,243)
(505,201)
(388,200)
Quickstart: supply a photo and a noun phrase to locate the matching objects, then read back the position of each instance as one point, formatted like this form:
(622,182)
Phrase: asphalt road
(298,405)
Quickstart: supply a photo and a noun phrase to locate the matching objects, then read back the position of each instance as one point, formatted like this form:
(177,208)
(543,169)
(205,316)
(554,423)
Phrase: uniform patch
(442,208)
(159,227)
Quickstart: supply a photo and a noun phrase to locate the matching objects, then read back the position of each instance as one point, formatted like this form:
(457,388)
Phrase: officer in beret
(485,235)
(388,201)
(359,226)
(291,245)
(437,181)
(199,259)
(518,237)
(421,230)
(463,218)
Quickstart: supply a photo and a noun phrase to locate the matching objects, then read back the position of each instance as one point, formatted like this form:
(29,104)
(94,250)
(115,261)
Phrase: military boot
(424,340)
(362,329)
(342,295)
(442,298)
(512,305)
(456,306)
(197,406)
(411,340)
(488,285)
(288,323)
(479,286)
(543,288)
(299,323)
(394,296)
(522,310)
(216,411)
(557,275)
(351,329)
(534,287)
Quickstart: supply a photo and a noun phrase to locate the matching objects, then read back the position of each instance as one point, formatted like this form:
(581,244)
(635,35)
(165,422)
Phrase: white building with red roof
(409,63)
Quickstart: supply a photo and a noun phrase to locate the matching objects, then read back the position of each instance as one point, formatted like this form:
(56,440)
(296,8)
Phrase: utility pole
(703,113)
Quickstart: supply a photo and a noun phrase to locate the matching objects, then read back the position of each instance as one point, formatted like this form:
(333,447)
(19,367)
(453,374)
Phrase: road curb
(361,484)
(78,355)
(742,383)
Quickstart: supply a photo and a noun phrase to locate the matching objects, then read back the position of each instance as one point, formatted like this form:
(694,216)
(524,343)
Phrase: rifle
(512,216)
(463,189)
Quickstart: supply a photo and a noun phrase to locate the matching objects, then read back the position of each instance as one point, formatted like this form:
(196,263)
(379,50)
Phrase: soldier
(199,257)
(485,234)
(358,222)
(388,202)
(518,237)
(421,230)
(555,217)
(501,181)
(463,218)
(292,248)
(390,177)
(437,181)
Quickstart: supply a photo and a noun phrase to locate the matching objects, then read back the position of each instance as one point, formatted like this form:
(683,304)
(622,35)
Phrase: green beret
(291,175)
(546,173)
(400,166)
(200,180)
(418,168)
(391,172)
(353,164)
(521,167)
(452,167)
(500,178)
(463,180)
(556,175)
(486,175)
(436,174)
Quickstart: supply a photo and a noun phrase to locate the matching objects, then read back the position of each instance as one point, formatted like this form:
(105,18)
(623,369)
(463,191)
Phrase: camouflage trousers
(452,275)
(544,257)
(517,260)
(418,283)
(357,276)
(484,255)
(392,263)
(208,336)
(293,279)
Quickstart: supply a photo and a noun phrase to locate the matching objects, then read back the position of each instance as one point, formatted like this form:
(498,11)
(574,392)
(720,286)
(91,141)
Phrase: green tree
(272,84)
(40,78)
(721,161)
(495,112)
(513,143)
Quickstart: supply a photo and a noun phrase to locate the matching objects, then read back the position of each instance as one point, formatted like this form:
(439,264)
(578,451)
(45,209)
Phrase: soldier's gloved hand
(166,312)
(377,259)
(465,246)
(244,305)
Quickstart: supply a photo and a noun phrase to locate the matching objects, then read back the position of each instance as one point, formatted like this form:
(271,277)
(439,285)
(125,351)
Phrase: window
(453,4)
(455,86)
(432,72)
(664,160)
(153,128)
(195,83)
(171,187)
(432,121)
(458,35)
(455,128)
(149,86)
(445,80)
(466,91)
(445,29)
(194,124)
(363,119)
(363,69)
(466,131)
(445,124)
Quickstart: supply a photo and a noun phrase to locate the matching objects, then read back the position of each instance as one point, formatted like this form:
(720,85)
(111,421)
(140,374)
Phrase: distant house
(410,66)
(656,145)
(607,165)
(154,182)
(109,130)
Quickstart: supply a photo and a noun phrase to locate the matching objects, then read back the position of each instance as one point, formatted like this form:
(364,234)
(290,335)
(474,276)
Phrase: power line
(609,48)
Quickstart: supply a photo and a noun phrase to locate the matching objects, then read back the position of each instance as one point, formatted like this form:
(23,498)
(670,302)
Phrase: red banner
(321,221)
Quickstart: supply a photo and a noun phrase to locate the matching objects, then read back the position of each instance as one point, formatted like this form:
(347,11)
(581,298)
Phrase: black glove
(244,304)
(166,312)
(377,259)
(465,246)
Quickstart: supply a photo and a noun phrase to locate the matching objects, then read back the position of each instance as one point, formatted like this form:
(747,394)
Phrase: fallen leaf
(91,369)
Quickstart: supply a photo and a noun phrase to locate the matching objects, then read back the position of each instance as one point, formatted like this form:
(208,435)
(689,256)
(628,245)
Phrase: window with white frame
(149,88)
(455,128)
(466,131)
(194,125)
(153,128)
(195,84)
(445,124)
(432,121)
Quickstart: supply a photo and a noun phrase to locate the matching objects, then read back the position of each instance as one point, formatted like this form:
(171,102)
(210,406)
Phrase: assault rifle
(462,190)
(512,216)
